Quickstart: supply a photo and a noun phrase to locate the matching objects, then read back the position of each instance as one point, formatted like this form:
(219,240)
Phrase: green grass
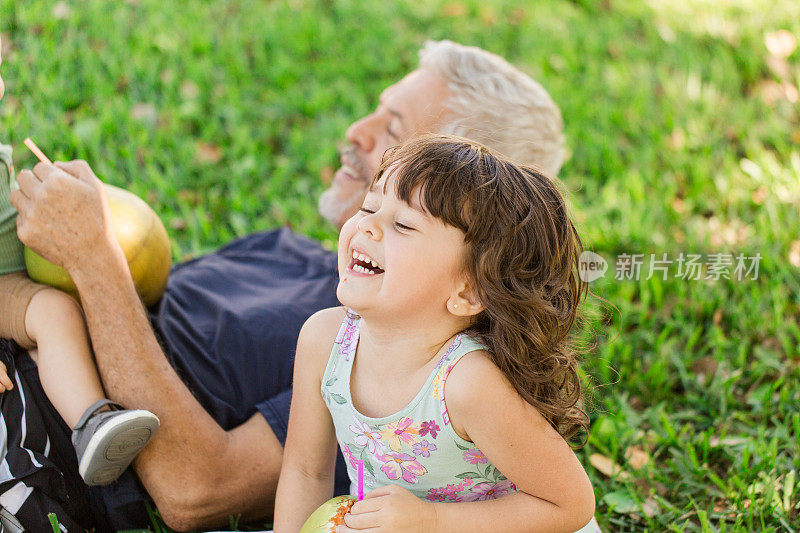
(684,136)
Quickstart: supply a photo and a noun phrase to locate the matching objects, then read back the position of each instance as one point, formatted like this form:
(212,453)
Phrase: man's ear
(463,301)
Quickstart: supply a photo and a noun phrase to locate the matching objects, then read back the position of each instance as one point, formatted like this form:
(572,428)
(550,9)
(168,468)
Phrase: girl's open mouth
(363,264)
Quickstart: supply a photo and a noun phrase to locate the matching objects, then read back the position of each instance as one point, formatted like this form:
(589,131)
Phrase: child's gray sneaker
(106,442)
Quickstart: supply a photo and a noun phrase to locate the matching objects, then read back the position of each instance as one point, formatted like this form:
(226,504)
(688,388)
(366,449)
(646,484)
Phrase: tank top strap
(342,351)
(461,346)
(347,338)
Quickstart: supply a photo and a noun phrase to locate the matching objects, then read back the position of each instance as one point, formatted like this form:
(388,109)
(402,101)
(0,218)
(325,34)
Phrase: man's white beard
(334,208)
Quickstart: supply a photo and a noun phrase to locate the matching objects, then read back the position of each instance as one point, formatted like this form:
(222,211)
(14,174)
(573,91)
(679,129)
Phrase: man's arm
(196,472)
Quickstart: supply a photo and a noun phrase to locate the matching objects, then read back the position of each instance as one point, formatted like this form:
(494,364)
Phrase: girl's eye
(392,134)
(365,210)
(403,227)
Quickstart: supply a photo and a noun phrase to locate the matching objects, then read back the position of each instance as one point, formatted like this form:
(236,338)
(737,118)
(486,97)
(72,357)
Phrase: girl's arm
(307,474)
(555,492)
(554,495)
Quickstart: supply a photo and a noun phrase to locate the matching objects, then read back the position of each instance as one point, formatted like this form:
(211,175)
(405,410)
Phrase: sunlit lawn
(682,121)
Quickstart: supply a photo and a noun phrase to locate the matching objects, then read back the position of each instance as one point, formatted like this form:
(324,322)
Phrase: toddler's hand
(390,508)
(5,381)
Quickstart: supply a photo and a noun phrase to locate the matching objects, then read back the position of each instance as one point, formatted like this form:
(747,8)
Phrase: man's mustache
(349,155)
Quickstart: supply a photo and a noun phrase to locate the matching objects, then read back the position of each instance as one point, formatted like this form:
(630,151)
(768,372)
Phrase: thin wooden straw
(360,480)
(38,153)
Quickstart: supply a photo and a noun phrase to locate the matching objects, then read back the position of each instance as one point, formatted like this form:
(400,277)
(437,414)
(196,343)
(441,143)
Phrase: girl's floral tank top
(416,447)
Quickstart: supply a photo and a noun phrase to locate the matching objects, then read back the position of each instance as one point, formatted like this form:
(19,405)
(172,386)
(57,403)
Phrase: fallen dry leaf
(781,43)
(779,66)
(790,92)
(794,253)
(61,10)
(189,90)
(770,91)
(144,112)
(607,466)
(189,196)
(637,457)
(178,224)
(706,366)
(760,195)
(726,441)
(208,153)
(677,139)
(650,507)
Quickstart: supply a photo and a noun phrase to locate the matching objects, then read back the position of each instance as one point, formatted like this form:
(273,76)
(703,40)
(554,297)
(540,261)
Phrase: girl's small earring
(455,305)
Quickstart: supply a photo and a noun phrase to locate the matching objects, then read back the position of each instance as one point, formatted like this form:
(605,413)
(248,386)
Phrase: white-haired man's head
(461,90)
(497,105)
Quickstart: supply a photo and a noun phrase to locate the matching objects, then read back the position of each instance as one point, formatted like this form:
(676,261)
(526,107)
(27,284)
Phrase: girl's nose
(369,226)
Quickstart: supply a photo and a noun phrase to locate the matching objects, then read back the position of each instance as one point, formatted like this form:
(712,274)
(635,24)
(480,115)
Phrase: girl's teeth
(362,270)
(361,257)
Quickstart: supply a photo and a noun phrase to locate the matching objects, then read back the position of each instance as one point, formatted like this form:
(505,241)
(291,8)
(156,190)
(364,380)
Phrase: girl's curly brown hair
(522,256)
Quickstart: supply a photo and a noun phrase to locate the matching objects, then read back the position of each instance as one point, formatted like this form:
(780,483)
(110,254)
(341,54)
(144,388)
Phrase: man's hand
(390,508)
(63,213)
(5,381)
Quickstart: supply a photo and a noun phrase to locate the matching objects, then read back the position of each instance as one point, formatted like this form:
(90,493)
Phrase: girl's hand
(390,508)
(5,381)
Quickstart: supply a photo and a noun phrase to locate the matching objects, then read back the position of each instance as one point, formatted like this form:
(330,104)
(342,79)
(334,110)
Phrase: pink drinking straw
(38,153)
(360,479)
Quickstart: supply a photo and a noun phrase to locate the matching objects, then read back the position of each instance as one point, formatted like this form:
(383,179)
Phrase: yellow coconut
(328,515)
(143,240)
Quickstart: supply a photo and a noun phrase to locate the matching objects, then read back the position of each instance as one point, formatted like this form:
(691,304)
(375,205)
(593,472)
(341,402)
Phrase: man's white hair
(496,105)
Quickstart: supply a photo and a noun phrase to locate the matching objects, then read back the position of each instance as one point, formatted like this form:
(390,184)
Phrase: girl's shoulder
(317,336)
(475,388)
(331,317)
(471,372)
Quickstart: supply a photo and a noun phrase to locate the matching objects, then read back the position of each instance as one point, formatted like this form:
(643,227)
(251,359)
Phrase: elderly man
(229,321)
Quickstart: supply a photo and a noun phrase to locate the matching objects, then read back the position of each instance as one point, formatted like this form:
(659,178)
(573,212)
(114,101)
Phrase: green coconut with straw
(140,234)
(331,513)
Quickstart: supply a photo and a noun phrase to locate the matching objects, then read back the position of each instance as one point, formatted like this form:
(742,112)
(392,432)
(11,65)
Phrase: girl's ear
(464,301)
